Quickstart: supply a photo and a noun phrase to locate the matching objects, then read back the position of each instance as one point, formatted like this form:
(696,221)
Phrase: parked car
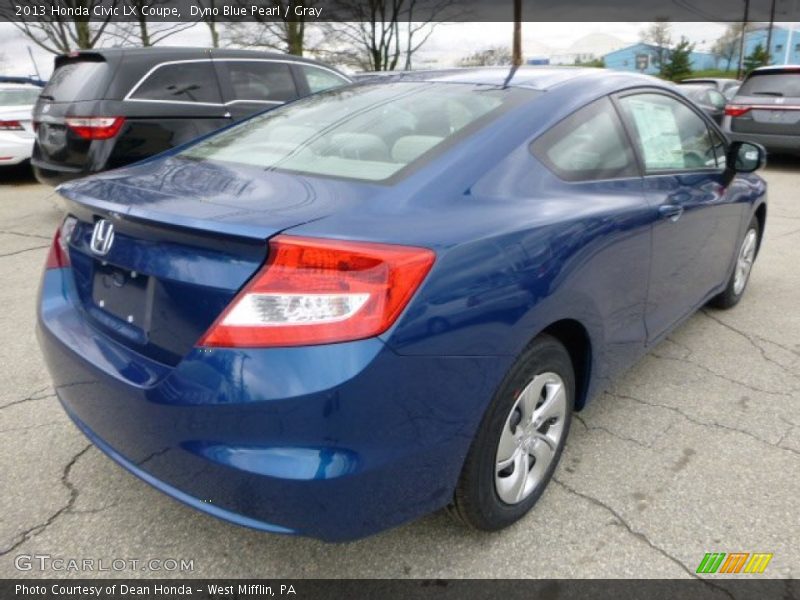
(721,84)
(766,109)
(107,108)
(16,126)
(731,92)
(387,299)
(707,98)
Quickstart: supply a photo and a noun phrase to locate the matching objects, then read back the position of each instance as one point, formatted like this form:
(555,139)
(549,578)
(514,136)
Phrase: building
(586,49)
(785,44)
(644,58)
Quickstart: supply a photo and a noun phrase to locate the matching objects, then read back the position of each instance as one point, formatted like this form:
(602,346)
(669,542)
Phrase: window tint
(772,84)
(671,136)
(79,80)
(181,82)
(261,81)
(589,144)
(320,79)
(366,132)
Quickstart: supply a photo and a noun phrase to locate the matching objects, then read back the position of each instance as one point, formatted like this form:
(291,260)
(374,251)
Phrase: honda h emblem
(102,237)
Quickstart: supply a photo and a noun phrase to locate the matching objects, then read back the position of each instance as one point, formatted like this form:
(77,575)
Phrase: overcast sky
(448,44)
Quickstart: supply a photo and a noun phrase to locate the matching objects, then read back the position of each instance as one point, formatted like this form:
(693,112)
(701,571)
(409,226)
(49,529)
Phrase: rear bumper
(55,174)
(335,442)
(773,143)
(14,148)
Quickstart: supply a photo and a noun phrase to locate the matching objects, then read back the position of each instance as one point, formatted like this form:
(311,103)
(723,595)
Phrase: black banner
(417,10)
(370,589)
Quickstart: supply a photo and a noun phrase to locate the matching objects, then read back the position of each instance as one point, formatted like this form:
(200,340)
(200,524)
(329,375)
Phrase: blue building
(785,45)
(644,58)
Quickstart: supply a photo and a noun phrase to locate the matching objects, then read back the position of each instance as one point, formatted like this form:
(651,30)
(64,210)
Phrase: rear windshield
(366,132)
(772,84)
(76,81)
(18,97)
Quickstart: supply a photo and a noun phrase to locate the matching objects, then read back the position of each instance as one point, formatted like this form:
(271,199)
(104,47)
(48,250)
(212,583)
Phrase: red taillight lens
(58,257)
(316,291)
(736,110)
(11,126)
(95,128)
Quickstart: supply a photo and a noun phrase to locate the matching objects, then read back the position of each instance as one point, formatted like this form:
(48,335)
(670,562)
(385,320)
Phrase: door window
(193,82)
(671,136)
(590,144)
(261,81)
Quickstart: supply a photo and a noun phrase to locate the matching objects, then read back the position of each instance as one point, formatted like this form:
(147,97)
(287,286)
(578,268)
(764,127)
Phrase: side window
(181,82)
(589,144)
(671,136)
(261,81)
(320,79)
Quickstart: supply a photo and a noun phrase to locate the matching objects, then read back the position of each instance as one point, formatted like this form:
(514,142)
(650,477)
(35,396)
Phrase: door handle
(672,212)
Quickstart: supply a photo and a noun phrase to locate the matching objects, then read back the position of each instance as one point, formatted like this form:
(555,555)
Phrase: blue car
(387,299)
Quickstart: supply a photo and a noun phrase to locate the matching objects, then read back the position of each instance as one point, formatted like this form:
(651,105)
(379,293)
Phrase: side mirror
(746,157)
(717,99)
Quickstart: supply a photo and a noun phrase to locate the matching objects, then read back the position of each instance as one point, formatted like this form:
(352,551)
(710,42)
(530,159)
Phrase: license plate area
(124,294)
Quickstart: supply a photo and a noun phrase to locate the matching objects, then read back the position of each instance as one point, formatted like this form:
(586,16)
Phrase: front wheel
(520,439)
(745,258)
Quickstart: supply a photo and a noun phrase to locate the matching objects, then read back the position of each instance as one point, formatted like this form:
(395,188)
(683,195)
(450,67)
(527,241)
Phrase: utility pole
(769,32)
(739,72)
(516,52)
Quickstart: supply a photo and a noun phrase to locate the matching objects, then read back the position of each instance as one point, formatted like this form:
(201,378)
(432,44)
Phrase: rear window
(367,132)
(785,84)
(18,97)
(76,81)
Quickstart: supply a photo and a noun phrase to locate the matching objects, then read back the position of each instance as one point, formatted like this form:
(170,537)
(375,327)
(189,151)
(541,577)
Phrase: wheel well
(761,215)
(575,339)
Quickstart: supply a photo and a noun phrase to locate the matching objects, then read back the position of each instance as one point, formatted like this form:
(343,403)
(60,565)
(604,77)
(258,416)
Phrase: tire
(745,257)
(489,497)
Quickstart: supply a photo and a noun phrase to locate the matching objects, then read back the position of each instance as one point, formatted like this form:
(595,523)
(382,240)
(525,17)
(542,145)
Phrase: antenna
(35,67)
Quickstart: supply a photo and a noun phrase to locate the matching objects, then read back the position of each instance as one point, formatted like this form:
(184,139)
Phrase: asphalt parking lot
(696,449)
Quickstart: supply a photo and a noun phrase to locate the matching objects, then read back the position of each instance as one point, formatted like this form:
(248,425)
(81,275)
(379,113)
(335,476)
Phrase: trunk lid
(187,236)
(773,96)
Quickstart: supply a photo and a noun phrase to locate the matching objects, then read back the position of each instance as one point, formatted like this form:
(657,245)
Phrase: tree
(286,33)
(659,34)
(62,34)
(757,58)
(727,45)
(208,9)
(679,64)
(142,31)
(492,56)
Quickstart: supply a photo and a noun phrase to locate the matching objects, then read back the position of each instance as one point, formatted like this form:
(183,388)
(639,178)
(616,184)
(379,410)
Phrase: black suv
(107,108)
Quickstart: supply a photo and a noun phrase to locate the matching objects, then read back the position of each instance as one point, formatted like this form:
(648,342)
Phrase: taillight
(736,110)
(11,126)
(320,291)
(95,128)
(58,257)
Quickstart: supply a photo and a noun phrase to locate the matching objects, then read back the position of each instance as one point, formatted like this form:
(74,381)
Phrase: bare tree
(61,34)
(207,15)
(659,34)
(429,14)
(142,31)
(286,33)
(373,30)
(727,45)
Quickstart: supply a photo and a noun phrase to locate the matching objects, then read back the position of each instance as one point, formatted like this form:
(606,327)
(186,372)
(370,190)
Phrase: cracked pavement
(696,449)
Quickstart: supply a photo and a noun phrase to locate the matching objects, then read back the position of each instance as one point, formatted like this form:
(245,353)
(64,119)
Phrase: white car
(16,125)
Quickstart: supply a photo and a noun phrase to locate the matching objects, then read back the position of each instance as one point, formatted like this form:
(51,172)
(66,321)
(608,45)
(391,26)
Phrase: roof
(769,68)
(527,76)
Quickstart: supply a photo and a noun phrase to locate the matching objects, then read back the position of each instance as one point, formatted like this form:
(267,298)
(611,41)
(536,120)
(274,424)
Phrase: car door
(250,86)
(682,157)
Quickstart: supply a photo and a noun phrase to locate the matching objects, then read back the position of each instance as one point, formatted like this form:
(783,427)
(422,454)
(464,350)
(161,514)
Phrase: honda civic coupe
(389,298)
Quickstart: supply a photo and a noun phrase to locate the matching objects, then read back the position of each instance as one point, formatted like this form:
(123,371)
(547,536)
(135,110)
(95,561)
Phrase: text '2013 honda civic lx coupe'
(388,299)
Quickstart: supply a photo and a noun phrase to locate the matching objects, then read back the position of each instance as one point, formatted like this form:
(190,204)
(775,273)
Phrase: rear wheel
(520,440)
(745,258)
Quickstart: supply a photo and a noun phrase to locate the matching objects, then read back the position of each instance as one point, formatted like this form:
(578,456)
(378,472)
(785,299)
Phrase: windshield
(18,97)
(772,84)
(367,132)
(77,80)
